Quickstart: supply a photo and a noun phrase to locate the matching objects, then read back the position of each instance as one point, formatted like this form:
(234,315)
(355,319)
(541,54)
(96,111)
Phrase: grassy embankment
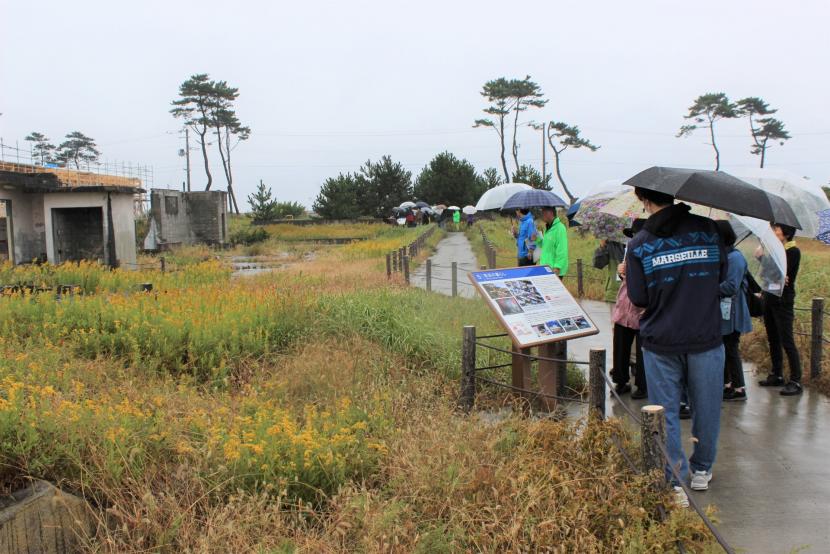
(813,281)
(307,410)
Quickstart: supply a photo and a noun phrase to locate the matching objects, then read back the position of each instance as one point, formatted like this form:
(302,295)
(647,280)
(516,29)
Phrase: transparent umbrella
(495,198)
(469,210)
(764,253)
(805,197)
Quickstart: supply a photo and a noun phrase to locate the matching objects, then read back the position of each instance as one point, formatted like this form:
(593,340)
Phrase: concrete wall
(28,225)
(200,216)
(122,216)
(173,228)
(208,216)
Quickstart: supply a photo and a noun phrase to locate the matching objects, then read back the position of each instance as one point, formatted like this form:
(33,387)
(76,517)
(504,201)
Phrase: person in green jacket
(553,242)
(456,219)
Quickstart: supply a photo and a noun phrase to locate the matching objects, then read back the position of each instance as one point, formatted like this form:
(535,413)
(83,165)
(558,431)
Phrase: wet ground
(454,248)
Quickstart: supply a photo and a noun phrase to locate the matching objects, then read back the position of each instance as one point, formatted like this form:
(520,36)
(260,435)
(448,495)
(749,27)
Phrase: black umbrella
(421,204)
(716,189)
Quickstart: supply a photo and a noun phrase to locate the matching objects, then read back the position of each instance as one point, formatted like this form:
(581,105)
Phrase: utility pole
(544,164)
(187,154)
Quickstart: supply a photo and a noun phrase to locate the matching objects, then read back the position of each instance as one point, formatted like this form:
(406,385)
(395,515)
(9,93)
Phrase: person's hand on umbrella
(621,270)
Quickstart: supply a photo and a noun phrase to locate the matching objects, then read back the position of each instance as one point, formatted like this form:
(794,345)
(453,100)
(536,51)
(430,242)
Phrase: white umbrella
(407,204)
(439,208)
(804,196)
(495,198)
(454,208)
(469,210)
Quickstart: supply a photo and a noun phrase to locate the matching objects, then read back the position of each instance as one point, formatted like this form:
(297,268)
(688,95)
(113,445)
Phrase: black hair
(524,211)
(653,196)
(727,234)
(787,230)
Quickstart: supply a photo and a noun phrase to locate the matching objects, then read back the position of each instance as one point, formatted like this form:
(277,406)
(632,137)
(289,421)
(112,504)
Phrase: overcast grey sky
(327,85)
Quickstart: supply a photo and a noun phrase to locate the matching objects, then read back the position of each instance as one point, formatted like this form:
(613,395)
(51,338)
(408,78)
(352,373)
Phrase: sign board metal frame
(528,296)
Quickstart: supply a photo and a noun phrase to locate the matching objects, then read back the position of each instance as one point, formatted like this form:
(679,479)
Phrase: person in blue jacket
(525,242)
(735,318)
(674,268)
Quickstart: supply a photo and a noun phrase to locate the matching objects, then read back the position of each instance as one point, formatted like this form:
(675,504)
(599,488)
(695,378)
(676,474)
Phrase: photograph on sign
(533,304)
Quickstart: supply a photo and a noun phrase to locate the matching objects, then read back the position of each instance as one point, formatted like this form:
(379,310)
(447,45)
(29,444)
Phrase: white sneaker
(700,480)
(680,497)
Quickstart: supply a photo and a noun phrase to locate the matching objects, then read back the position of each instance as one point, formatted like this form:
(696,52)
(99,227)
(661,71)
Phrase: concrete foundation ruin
(63,216)
(180,218)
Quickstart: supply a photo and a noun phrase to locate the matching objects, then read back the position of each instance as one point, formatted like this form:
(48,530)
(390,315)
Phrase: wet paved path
(454,248)
(771,480)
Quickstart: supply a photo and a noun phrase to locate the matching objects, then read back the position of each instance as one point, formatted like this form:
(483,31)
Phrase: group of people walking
(683,299)
(682,294)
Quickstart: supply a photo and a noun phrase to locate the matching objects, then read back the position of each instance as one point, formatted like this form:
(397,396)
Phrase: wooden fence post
(652,433)
(388,266)
(395,261)
(596,382)
(521,369)
(580,285)
(468,368)
(492,260)
(429,275)
(455,279)
(548,375)
(163,264)
(406,269)
(401,254)
(560,352)
(817,337)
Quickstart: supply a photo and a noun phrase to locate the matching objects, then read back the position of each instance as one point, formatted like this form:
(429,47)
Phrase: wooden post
(395,261)
(429,275)
(596,382)
(455,279)
(406,269)
(388,266)
(521,369)
(468,368)
(492,252)
(484,268)
(559,351)
(401,254)
(548,376)
(816,338)
(653,432)
(163,264)
(580,285)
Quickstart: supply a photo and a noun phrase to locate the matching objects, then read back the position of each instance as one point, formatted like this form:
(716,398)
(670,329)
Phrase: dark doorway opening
(6,244)
(78,234)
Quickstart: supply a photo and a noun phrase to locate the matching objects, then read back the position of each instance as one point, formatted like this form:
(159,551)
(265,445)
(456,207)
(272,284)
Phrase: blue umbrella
(824,226)
(533,198)
(572,214)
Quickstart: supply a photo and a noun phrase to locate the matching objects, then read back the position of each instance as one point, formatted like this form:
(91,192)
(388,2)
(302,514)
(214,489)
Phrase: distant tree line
(377,187)
(265,208)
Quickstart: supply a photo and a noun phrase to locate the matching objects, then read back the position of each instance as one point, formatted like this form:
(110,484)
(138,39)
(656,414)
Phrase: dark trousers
(525,261)
(733,367)
(778,319)
(623,338)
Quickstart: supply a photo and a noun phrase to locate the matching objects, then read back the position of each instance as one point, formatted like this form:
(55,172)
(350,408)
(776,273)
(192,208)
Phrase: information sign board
(533,305)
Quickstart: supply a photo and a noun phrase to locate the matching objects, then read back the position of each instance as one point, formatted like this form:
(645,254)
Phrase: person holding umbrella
(456,219)
(553,240)
(779,314)
(674,268)
(735,318)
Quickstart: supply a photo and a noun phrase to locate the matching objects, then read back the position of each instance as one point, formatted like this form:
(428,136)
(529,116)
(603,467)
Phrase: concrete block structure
(188,217)
(63,216)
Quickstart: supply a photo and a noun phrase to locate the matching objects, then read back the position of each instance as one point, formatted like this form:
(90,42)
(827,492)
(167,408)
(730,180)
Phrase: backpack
(754,300)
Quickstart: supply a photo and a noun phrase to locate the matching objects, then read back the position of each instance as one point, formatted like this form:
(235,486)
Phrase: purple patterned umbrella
(824,226)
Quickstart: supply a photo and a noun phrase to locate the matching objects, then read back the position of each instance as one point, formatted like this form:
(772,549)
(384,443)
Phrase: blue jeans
(702,375)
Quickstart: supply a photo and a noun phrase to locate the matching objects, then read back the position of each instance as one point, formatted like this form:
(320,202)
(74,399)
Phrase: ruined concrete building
(178,218)
(59,215)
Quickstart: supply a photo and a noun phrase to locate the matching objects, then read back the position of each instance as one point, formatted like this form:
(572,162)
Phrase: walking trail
(770,481)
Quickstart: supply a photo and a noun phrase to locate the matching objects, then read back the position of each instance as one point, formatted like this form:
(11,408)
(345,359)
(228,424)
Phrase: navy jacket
(674,268)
